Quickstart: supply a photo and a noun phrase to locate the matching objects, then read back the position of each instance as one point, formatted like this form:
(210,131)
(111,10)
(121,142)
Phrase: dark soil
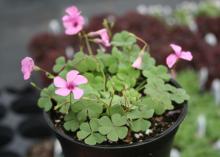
(159,125)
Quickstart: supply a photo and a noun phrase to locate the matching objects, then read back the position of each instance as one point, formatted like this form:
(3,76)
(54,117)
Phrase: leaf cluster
(117,98)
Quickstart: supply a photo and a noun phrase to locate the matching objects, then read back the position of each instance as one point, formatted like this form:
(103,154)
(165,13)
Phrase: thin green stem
(127,103)
(139,89)
(141,40)
(141,85)
(70,98)
(59,105)
(110,104)
(35,86)
(86,98)
(50,75)
(80,42)
(88,44)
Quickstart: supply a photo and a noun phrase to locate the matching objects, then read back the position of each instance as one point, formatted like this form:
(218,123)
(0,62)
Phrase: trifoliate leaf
(71,122)
(97,82)
(115,83)
(148,61)
(114,128)
(132,95)
(87,108)
(162,95)
(46,95)
(59,65)
(142,112)
(45,103)
(157,72)
(156,89)
(140,125)
(118,120)
(178,95)
(123,39)
(88,133)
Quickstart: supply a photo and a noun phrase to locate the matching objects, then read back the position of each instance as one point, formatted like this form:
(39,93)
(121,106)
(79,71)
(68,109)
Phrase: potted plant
(111,104)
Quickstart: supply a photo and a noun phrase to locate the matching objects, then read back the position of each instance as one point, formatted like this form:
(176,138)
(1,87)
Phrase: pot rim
(123,146)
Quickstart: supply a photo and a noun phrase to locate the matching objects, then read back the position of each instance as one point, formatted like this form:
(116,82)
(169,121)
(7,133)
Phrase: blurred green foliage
(187,140)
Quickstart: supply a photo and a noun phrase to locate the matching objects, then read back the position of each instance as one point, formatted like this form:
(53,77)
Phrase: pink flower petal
(73,10)
(177,49)
(137,63)
(27,66)
(171,60)
(70,77)
(59,82)
(77,93)
(62,91)
(73,21)
(71,31)
(103,33)
(80,80)
(65,18)
(186,55)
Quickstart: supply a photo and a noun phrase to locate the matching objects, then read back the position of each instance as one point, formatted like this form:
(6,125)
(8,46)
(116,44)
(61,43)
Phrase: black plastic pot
(158,146)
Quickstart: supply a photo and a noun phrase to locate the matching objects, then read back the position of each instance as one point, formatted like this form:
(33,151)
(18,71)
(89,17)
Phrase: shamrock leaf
(45,103)
(123,39)
(178,95)
(46,95)
(59,65)
(114,128)
(138,118)
(140,125)
(116,53)
(162,95)
(132,95)
(109,61)
(131,52)
(141,112)
(115,83)
(87,108)
(158,92)
(157,72)
(127,74)
(97,82)
(89,91)
(88,133)
(148,61)
(83,63)
(71,122)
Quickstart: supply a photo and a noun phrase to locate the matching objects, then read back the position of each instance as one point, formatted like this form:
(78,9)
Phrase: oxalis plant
(102,96)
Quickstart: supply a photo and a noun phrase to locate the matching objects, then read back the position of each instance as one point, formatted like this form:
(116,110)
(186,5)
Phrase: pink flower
(178,54)
(70,85)
(104,37)
(137,63)
(73,22)
(27,66)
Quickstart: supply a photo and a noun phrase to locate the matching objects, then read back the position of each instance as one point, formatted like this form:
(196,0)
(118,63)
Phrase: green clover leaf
(46,95)
(148,61)
(71,122)
(88,133)
(87,108)
(157,72)
(59,65)
(157,90)
(123,39)
(114,128)
(139,118)
(178,95)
